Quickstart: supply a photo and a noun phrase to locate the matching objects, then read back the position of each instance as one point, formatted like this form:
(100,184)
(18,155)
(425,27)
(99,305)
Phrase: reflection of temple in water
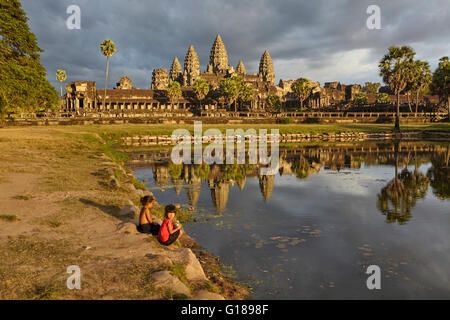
(266,184)
(301,162)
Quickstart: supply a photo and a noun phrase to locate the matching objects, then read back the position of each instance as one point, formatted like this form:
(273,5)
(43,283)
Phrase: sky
(320,40)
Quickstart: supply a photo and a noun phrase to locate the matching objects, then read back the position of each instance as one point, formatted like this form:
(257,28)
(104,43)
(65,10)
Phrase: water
(311,230)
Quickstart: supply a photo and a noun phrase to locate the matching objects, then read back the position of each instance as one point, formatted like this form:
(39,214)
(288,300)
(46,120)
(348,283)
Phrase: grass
(9,218)
(23,197)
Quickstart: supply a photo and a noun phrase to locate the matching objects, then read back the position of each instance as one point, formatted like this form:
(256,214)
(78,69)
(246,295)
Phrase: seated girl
(167,233)
(146,225)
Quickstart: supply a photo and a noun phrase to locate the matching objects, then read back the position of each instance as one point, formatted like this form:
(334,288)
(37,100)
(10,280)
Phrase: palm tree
(393,69)
(230,90)
(108,48)
(302,89)
(61,76)
(201,90)
(173,91)
(441,81)
(422,77)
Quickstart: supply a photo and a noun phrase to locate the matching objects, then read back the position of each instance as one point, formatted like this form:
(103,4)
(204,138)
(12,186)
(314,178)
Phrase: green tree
(61,76)
(201,89)
(247,93)
(23,79)
(230,89)
(273,102)
(302,89)
(393,69)
(382,98)
(108,48)
(422,79)
(360,98)
(371,87)
(440,84)
(174,91)
(439,174)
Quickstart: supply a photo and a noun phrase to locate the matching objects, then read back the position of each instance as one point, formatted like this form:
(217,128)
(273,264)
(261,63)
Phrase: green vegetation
(371,87)
(382,98)
(174,91)
(61,76)
(108,48)
(201,89)
(273,103)
(393,68)
(23,82)
(8,218)
(286,120)
(302,89)
(441,82)
(360,98)
(230,89)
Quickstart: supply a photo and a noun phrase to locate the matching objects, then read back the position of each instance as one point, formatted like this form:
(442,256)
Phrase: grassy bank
(117,131)
(58,208)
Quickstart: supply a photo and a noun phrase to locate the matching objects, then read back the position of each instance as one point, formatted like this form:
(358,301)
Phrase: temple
(84,96)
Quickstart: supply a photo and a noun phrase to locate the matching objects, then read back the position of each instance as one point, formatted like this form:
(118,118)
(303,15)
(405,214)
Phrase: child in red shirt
(167,233)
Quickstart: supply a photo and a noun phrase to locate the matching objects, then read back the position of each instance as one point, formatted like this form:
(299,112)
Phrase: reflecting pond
(311,230)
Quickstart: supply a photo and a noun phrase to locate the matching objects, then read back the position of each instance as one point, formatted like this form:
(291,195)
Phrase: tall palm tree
(61,76)
(422,78)
(393,69)
(201,90)
(108,48)
(173,91)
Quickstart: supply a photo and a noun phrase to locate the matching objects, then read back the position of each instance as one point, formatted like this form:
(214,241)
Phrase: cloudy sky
(320,40)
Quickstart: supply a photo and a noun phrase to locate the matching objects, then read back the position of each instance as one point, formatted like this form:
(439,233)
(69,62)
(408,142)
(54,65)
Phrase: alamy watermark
(374,20)
(374,281)
(234,140)
(74,281)
(74,19)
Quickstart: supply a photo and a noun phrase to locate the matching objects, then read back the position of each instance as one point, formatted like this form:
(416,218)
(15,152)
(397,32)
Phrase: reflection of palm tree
(302,168)
(395,200)
(439,174)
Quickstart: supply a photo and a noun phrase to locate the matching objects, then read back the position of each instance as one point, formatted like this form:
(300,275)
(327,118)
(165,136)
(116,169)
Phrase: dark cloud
(322,40)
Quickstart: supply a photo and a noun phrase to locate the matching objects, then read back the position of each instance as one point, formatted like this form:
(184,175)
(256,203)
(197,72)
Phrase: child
(167,233)
(146,224)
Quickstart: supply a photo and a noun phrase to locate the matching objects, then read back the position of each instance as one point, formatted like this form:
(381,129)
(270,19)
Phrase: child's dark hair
(147,199)
(168,209)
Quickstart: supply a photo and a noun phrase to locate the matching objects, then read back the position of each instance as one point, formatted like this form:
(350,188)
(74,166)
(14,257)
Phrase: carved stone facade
(160,79)
(191,67)
(266,73)
(218,59)
(240,69)
(124,83)
(176,74)
(83,95)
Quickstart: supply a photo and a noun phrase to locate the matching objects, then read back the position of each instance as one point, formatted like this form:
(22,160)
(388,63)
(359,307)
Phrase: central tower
(218,59)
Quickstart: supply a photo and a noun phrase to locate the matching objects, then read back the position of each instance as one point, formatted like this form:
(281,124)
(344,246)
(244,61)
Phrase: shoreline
(66,199)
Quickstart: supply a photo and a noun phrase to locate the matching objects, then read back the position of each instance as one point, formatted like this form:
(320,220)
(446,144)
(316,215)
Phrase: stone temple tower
(266,68)
(160,79)
(218,59)
(191,67)
(241,68)
(176,74)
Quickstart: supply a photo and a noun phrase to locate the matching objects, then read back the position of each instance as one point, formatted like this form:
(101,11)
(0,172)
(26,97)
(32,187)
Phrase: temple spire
(191,67)
(218,59)
(241,68)
(175,71)
(266,68)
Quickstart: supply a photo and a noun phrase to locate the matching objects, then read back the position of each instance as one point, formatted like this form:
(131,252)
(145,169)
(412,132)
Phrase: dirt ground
(57,210)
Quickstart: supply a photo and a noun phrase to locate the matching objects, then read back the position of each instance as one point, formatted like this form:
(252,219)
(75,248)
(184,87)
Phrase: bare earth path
(57,209)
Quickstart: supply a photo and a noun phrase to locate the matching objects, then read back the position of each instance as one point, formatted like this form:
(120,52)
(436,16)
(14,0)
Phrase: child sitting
(146,225)
(167,233)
